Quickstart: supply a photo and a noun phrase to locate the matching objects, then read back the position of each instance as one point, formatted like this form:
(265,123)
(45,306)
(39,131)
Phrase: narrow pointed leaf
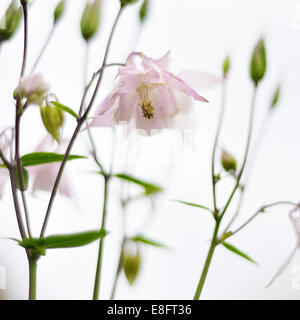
(144,240)
(194,205)
(149,187)
(38,158)
(237,251)
(65,108)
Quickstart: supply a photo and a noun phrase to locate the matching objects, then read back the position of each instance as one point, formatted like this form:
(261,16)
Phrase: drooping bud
(10,21)
(33,88)
(275,98)
(126,2)
(258,63)
(228,162)
(226,66)
(90,19)
(53,119)
(25,179)
(59,10)
(131,264)
(144,10)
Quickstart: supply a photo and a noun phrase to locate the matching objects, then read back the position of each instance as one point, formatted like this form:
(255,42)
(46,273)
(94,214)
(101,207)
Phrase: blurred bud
(258,63)
(90,19)
(33,88)
(275,98)
(228,161)
(144,10)
(126,2)
(59,10)
(226,66)
(10,21)
(25,180)
(131,263)
(53,120)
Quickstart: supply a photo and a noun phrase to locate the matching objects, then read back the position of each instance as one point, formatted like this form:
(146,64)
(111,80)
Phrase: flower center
(146,103)
(148,110)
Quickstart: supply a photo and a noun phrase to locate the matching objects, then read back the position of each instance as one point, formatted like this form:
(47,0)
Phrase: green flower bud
(228,162)
(59,10)
(53,120)
(131,264)
(226,66)
(144,10)
(10,21)
(275,98)
(258,63)
(25,179)
(90,19)
(126,2)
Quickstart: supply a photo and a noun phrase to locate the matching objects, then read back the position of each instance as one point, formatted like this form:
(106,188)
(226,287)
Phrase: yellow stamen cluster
(148,110)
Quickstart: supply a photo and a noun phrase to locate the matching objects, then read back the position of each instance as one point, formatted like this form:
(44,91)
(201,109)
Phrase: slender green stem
(213,244)
(43,49)
(32,278)
(101,242)
(81,120)
(213,175)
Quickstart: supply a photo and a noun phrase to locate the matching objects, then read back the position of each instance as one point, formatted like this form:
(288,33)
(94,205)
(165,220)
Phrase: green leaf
(147,241)
(73,240)
(275,98)
(39,245)
(65,108)
(149,187)
(237,251)
(25,179)
(38,158)
(194,205)
(226,66)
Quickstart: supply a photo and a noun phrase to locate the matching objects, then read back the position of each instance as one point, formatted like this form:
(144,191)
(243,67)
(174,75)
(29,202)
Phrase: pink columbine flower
(45,175)
(33,88)
(147,95)
(296,224)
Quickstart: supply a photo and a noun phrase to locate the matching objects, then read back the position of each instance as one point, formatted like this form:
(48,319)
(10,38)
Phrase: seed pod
(59,10)
(10,21)
(144,10)
(226,66)
(275,98)
(228,162)
(131,264)
(126,2)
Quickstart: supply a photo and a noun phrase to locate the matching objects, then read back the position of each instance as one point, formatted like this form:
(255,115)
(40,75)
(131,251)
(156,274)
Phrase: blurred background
(199,35)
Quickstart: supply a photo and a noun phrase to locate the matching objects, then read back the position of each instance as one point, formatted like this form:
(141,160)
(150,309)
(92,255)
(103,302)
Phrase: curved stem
(101,242)
(118,272)
(25,13)
(224,91)
(43,48)
(239,176)
(77,130)
(213,244)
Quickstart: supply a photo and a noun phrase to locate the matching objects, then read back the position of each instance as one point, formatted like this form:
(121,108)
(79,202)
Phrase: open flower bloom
(45,175)
(147,95)
(33,88)
(296,223)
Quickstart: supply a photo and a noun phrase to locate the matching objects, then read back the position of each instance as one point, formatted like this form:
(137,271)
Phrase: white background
(199,34)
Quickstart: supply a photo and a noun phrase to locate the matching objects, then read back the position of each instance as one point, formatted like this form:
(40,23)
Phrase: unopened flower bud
(226,66)
(90,19)
(33,88)
(275,98)
(10,21)
(59,10)
(258,63)
(144,10)
(126,2)
(53,120)
(228,162)
(131,264)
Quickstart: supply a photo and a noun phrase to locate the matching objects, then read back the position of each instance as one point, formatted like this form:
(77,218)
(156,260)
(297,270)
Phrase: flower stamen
(148,110)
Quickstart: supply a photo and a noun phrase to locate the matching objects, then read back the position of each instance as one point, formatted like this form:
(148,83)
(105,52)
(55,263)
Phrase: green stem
(32,278)
(213,244)
(101,242)
(118,272)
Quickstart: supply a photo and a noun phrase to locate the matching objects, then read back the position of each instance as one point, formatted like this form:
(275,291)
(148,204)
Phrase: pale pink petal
(104,120)
(64,187)
(199,80)
(128,103)
(164,61)
(179,84)
(150,125)
(164,99)
(283,266)
(45,177)
(129,82)
(130,60)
